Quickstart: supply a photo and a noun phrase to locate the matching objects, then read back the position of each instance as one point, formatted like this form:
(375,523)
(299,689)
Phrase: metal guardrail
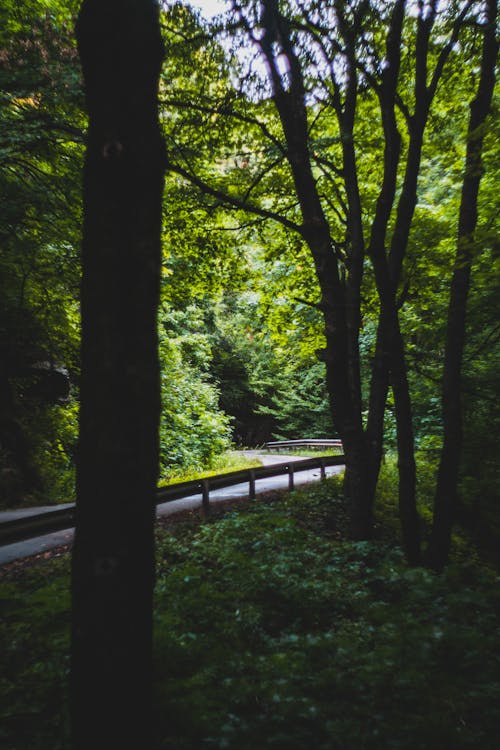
(305,443)
(37,524)
(46,522)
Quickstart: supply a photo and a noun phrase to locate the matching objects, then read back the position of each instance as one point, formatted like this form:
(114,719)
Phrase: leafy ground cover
(272,631)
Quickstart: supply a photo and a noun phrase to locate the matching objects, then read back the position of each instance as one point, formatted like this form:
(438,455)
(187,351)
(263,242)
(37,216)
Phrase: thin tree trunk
(387,284)
(113,560)
(379,389)
(391,361)
(446,488)
(339,300)
(408,514)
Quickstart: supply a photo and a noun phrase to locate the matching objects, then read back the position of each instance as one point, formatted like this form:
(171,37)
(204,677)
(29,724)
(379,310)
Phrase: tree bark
(113,559)
(446,488)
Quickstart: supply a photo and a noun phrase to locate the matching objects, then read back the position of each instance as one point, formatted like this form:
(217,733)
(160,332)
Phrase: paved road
(40,544)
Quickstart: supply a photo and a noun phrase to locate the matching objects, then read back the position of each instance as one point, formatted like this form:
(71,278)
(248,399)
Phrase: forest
(276,222)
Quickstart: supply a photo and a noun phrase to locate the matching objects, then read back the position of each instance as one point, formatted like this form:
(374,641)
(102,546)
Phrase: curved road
(39,545)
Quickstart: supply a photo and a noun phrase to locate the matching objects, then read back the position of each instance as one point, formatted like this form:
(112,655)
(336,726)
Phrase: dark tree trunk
(389,366)
(446,489)
(408,514)
(113,560)
(389,362)
(339,299)
(379,389)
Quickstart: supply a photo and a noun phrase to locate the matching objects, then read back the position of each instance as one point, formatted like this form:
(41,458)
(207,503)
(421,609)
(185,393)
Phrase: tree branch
(231,200)
(491,339)
(260,177)
(227,111)
(445,52)
(315,305)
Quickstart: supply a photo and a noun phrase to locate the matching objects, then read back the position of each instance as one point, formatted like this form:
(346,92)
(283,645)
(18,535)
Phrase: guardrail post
(205,496)
(251,484)
(322,468)
(291,483)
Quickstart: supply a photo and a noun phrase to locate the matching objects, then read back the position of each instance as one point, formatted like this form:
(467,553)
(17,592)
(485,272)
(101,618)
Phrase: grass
(229,461)
(272,631)
(312,452)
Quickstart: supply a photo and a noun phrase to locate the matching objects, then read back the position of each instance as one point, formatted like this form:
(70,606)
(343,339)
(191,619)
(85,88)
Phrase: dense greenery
(273,630)
(329,218)
(40,163)
(339,139)
(42,134)
(240,329)
(193,432)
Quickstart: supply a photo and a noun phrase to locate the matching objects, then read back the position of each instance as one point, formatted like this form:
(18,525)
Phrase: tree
(446,490)
(121,51)
(301,154)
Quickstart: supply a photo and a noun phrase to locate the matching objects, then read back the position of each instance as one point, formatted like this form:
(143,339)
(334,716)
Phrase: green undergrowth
(272,631)
(474,536)
(34,643)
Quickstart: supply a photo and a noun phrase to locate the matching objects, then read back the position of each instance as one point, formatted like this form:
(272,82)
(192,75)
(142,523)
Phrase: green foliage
(226,135)
(386,507)
(272,631)
(271,391)
(242,327)
(41,138)
(300,404)
(244,363)
(480,478)
(34,639)
(42,125)
(477,530)
(193,431)
(199,257)
(270,634)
